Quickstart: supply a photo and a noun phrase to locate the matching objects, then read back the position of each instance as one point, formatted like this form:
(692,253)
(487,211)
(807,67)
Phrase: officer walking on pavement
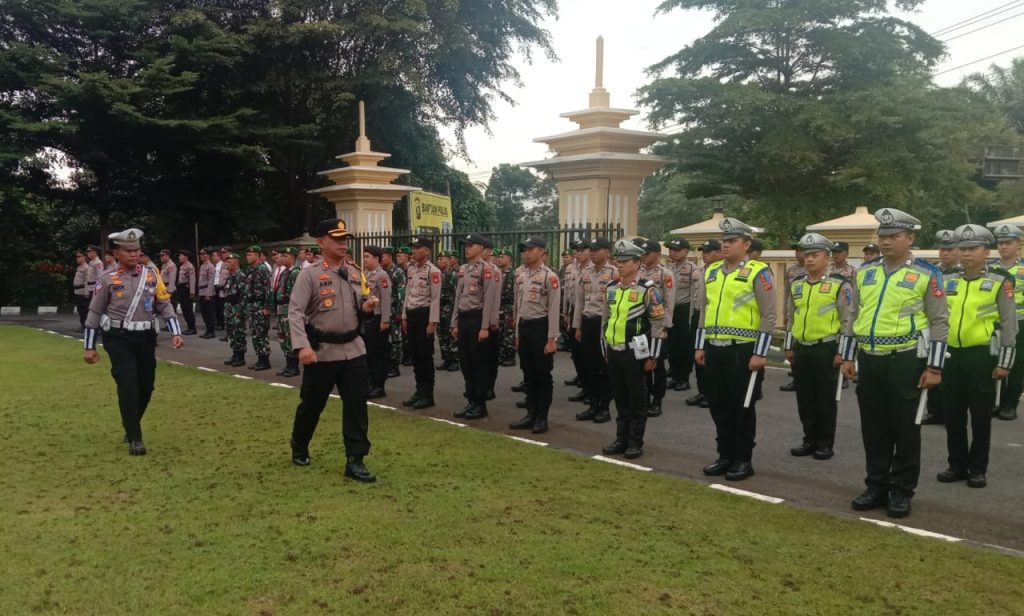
(1009,239)
(124,305)
(420,315)
(591,305)
(475,299)
(900,323)
(325,312)
(680,337)
(282,299)
(632,339)
(377,327)
(819,307)
(537,299)
(949,264)
(982,348)
(732,341)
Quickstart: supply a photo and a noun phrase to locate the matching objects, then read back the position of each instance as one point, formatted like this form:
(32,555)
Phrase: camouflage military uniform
(234,312)
(282,296)
(445,340)
(257,298)
(398,284)
(506,328)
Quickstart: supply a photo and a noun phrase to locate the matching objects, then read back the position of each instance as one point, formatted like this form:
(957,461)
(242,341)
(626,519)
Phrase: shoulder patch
(554,281)
(435,277)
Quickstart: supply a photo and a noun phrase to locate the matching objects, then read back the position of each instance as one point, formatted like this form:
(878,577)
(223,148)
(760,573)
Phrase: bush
(41,284)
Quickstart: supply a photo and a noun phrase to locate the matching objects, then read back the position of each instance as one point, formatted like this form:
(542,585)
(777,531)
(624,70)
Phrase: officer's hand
(757,362)
(579,335)
(650,364)
(549,349)
(929,378)
(405,326)
(265,312)
(92,357)
(385,326)
(484,334)
(1000,373)
(369,305)
(431,328)
(307,356)
(789,356)
(698,357)
(177,342)
(837,361)
(849,370)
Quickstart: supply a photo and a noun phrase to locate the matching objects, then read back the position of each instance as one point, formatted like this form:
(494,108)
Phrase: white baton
(839,386)
(750,390)
(921,404)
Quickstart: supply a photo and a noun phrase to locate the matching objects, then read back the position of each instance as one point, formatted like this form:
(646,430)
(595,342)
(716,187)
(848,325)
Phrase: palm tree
(1003,86)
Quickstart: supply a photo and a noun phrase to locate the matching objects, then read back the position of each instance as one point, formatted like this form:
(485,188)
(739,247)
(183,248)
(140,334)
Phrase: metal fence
(557,239)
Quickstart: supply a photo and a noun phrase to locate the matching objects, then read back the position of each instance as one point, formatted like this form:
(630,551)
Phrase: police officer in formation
(680,337)
(185,287)
(282,293)
(570,284)
(663,281)
(820,305)
(234,310)
(793,272)
(395,336)
(476,297)
(631,340)
(535,311)
(732,341)
(982,345)
(949,264)
(506,322)
(421,313)
(205,292)
(325,312)
(124,306)
(590,308)
(257,301)
(446,342)
(377,326)
(710,252)
(1008,238)
(898,337)
(82,287)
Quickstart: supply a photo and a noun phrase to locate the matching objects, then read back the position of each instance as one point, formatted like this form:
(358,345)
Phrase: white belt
(137,326)
(618,347)
(724,342)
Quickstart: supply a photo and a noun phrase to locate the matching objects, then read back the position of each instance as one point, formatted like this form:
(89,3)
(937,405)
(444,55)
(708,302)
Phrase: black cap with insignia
(333,227)
(422,241)
(677,244)
(710,246)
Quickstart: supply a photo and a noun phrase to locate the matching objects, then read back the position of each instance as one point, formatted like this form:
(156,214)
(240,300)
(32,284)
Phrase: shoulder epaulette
(924,264)
(647,283)
(1005,274)
(838,277)
(800,277)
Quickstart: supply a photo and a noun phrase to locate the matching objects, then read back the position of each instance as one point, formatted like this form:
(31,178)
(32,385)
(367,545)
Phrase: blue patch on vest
(869,277)
(798,290)
(986,285)
(951,287)
(611,296)
(712,274)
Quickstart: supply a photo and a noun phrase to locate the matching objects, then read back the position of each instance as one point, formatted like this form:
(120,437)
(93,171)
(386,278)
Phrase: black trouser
(318,381)
(595,370)
(680,344)
(629,386)
(969,388)
(82,306)
(493,348)
(377,356)
(887,394)
(1014,384)
(726,377)
(816,380)
(576,353)
(133,366)
(536,365)
(936,405)
(187,308)
(209,312)
(699,371)
(421,350)
(218,307)
(474,356)
(656,379)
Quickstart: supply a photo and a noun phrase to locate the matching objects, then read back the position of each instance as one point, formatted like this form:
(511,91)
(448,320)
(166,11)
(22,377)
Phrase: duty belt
(866,341)
(816,342)
(79,286)
(617,347)
(317,336)
(716,330)
(137,326)
(479,312)
(726,342)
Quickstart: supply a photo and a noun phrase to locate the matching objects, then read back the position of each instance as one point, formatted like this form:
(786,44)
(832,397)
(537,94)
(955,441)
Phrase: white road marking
(448,421)
(384,406)
(242,376)
(175,363)
(47,310)
(285,385)
(527,440)
(68,337)
(336,396)
(50,331)
(621,463)
(754,495)
(913,531)
(205,369)
(1014,445)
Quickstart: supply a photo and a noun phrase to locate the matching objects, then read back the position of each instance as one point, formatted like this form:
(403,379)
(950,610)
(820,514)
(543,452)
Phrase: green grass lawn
(216,520)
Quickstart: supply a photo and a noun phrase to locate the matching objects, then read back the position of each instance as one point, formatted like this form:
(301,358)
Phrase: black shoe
(790,373)
(670,382)
(696,400)
(392,373)
(931,419)
(411,401)
(540,426)
(739,471)
(586,415)
(525,423)
(462,412)
(616,448)
(520,388)
(790,386)
(189,332)
(136,448)
(951,475)
(1008,414)
(442,366)
(602,416)
(632,453)
(704,403)
(489,395)
(718,467)
(208,335)
(262,363)
(291,367)
(899,505)
(681,386)
(454,367)
(422,403)
(825,453)
(224,339)
(574,382)
(976,480)
(376,393)
(521,404)
(805,449)
(655,409)
(508,363)
(580,397)
(355,469)
(300,457)
(235,359)
(477,412)
(872,498)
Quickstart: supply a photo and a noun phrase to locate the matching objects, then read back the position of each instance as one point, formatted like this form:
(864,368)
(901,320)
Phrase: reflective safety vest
(1017,271)
(816,315)
(628,313)
(732,312)
(973,309)
(891,312)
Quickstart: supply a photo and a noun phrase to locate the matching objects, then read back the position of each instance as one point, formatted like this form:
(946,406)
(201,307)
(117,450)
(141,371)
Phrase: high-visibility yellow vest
(627,312)
(732,312)
(891,313)
(973,309)
(817,313)
(1017,271)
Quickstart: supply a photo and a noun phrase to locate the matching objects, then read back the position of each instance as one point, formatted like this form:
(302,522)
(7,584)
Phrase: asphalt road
(681,442)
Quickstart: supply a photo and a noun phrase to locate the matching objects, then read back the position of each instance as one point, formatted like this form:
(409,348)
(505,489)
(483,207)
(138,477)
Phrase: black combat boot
(291,367)
(355,469)
(262,363)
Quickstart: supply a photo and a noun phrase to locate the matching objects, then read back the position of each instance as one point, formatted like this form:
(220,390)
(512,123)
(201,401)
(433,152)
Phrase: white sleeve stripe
(699,342)
(90,339)
(174,326)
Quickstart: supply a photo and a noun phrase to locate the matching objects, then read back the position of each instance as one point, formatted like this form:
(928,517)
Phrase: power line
(995,23)
(976,18)
(995,55)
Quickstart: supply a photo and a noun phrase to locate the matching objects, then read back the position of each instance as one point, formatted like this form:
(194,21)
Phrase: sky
(635,38)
